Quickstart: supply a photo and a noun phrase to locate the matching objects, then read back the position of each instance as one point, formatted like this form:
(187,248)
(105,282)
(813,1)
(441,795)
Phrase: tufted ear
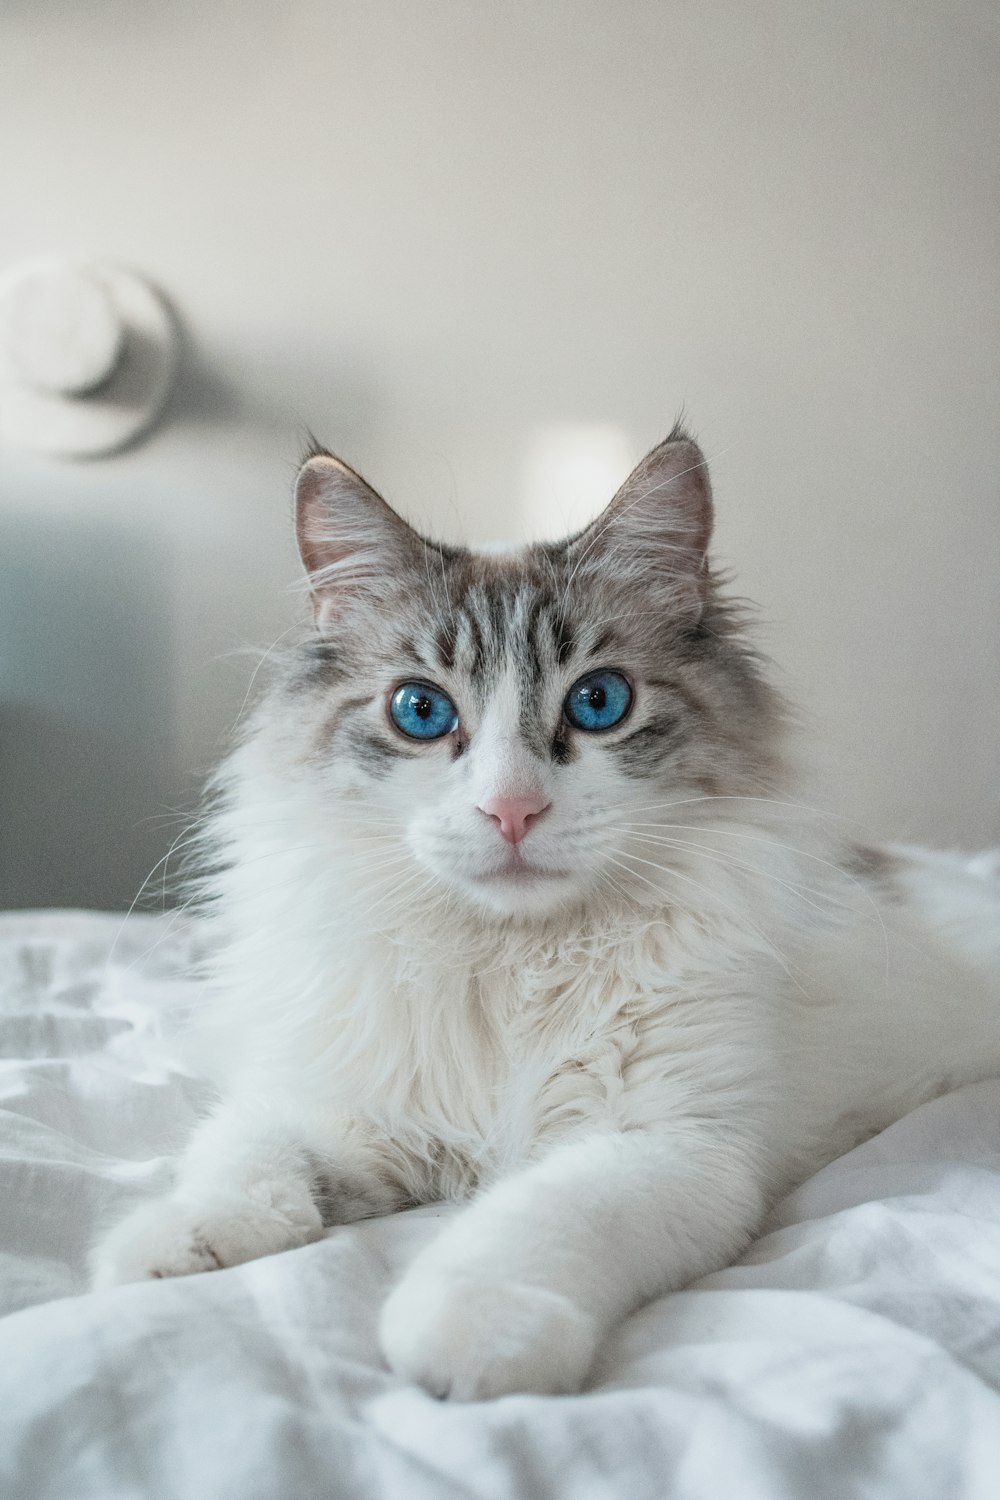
(350,540)
(657,527)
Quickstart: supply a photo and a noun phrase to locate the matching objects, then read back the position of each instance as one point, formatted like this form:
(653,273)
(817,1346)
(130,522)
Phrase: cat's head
(512,720)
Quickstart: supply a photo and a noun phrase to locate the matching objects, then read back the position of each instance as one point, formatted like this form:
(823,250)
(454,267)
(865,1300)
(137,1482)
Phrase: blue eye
(598,701)
(423,712)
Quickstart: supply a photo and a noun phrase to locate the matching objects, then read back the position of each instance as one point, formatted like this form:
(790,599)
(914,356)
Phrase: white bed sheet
(854,1351)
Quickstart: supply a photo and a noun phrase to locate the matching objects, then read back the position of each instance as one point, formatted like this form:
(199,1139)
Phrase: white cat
(514,902)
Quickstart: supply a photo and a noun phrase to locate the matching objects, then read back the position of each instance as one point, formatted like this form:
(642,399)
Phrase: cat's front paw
(175,1238)
(469,1339)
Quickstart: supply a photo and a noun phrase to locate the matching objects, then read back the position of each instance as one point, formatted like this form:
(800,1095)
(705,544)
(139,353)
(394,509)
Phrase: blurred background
(487,252)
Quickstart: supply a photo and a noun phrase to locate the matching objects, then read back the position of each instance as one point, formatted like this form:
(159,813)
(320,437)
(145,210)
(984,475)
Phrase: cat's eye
(598,701)
(422,712)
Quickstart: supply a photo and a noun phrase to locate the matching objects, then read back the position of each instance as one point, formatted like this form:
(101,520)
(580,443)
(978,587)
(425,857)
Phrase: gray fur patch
(643,751)
(877,867)
(378,755)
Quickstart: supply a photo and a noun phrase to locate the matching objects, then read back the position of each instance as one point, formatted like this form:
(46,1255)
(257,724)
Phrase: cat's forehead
(496,611)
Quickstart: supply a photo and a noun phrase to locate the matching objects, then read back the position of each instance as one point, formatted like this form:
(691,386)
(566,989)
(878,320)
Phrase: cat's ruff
(690,992)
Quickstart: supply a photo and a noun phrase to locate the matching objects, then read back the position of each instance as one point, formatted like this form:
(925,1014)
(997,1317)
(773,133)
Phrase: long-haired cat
(514,903)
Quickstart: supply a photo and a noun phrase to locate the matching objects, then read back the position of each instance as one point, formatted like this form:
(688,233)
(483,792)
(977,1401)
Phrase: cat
(514,902)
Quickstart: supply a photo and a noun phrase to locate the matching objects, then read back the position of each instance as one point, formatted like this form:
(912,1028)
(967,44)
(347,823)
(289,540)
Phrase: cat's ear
(657,527)
(350,540)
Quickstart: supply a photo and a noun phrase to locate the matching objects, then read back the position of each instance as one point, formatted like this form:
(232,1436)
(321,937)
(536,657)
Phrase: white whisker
(742,920)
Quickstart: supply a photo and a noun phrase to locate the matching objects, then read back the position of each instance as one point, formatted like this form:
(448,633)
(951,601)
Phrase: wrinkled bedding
(854,1351)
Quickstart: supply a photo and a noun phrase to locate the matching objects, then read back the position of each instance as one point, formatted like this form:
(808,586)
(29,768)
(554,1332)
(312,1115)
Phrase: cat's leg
(516,1294)
(246,1186)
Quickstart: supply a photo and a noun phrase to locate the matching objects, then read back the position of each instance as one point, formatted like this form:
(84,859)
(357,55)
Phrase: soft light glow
(571,470)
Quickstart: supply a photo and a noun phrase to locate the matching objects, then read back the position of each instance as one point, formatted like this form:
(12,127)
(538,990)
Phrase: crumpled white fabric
(854,1351)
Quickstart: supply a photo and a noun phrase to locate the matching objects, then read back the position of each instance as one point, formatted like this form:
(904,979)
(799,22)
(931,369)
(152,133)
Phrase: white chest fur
(475,1056)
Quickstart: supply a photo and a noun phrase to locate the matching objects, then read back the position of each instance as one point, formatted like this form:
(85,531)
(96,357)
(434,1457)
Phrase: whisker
(742,919)
(410,896)
(176,914)
(853,880)
(164,858)
(253,676)
(730,860)
(818,812)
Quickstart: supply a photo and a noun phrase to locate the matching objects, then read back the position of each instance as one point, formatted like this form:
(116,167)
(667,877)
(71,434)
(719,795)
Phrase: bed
(853,1351)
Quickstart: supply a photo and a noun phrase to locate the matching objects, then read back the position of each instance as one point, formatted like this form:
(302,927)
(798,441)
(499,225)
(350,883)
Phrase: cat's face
(511,721)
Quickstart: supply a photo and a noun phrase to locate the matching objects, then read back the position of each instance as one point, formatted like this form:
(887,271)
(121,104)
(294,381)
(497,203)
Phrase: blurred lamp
(87,355)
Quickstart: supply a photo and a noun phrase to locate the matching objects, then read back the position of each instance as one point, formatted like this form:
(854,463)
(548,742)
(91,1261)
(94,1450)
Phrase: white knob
(59,329)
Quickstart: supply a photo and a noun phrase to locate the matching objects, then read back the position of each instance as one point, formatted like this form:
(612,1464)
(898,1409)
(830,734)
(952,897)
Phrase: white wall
(431,230)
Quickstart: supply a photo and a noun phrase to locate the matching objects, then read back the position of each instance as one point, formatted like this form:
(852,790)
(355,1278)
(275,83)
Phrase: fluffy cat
(514,903)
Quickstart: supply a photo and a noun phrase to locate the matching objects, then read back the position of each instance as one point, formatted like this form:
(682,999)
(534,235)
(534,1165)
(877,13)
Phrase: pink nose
(514,815)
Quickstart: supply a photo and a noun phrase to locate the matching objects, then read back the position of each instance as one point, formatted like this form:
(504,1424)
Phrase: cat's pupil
(597,697)
(423,707)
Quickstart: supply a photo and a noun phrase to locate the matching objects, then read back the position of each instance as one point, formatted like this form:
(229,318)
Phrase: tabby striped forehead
(521,633)
(494,625)
(471,618)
